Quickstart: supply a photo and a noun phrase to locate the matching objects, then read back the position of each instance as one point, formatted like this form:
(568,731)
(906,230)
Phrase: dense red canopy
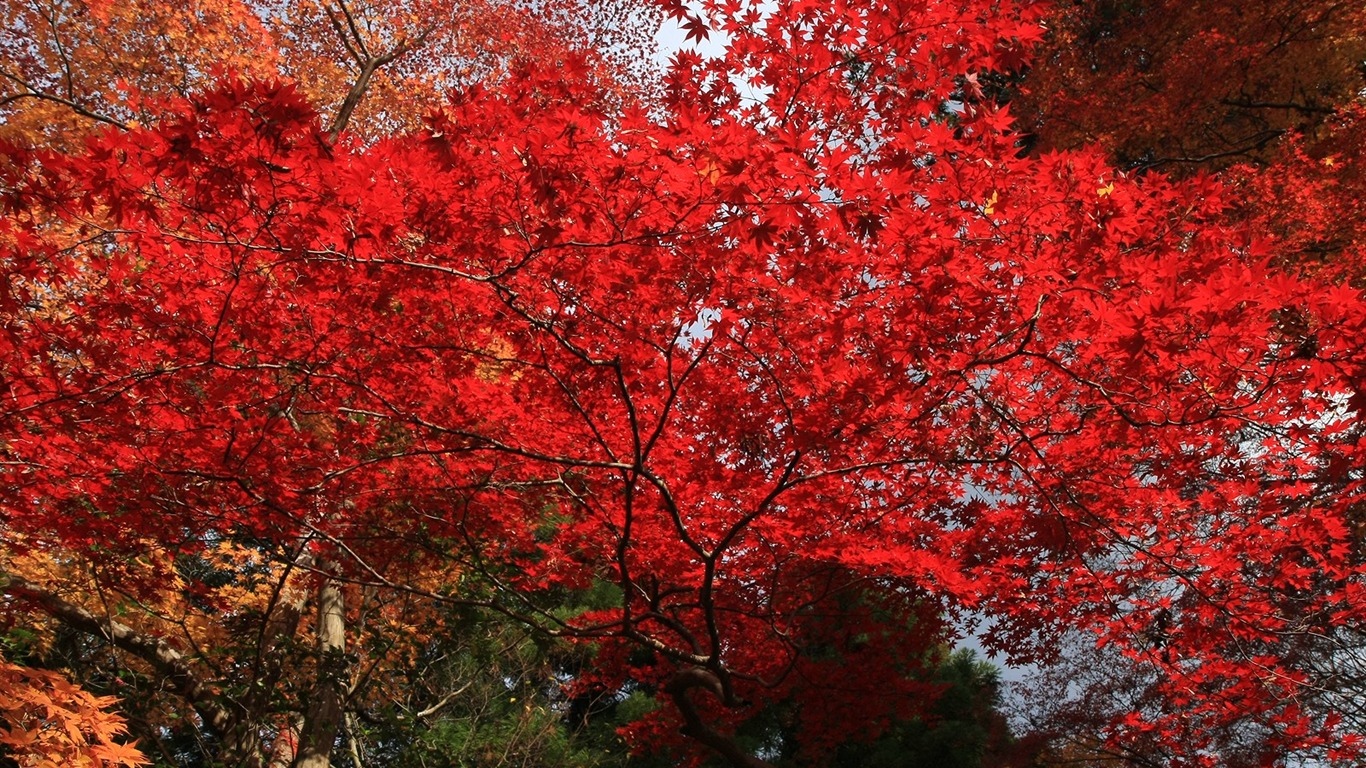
(807,358)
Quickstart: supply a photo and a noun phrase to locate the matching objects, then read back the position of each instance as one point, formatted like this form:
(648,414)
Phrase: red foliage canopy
(807,357)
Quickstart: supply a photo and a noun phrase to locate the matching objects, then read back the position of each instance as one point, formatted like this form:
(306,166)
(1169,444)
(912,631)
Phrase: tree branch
(167,661)
(695,728)
(353,98)
(33,93)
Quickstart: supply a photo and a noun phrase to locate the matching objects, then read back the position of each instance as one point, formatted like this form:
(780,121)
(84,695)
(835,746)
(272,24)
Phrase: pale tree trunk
(320,725)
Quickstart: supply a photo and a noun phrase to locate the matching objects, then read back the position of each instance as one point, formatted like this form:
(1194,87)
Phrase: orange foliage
(66,62)
(70,65)
(220,605)
(47,722)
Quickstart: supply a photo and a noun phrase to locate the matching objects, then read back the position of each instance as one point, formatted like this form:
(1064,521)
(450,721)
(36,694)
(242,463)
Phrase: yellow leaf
(709,168)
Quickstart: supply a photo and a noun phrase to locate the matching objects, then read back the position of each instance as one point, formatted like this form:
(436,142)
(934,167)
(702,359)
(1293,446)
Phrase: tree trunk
(325,715)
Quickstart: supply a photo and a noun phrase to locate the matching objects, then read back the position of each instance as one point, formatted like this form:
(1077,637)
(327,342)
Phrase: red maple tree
(805,363)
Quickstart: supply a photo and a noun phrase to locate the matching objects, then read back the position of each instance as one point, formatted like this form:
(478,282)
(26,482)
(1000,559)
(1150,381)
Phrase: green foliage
(508,731)
(963,729)
(490,693)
